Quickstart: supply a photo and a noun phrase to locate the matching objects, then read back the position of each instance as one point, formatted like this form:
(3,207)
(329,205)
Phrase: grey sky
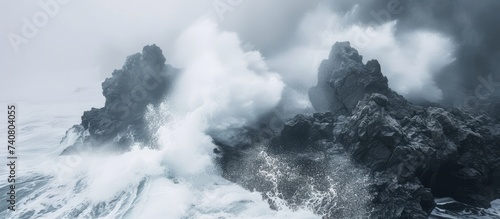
(83,41)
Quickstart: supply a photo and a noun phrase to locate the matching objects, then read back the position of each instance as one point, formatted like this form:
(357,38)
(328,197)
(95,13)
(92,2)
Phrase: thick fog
(431,50)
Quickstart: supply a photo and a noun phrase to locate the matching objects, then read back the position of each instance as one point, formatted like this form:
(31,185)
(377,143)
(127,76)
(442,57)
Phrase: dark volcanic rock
(143,80)
(412,150)
(343,80)
(302,133)
(302,167)
(414,153)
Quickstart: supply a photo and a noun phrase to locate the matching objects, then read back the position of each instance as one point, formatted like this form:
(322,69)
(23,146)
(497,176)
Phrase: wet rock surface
(413,153)
(367,142)
(144,80)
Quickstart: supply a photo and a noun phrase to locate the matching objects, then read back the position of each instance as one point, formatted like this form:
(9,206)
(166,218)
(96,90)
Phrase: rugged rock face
(343,80)
(304,130)
(367,143)
(301,166)
(414,152)
(143,80)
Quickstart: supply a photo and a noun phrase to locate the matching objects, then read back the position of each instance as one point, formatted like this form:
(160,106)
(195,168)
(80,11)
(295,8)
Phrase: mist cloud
(410,61)
(85,41)
(471,24)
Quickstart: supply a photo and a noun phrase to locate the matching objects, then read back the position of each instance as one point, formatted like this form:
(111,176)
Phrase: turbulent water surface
(176,181)
(142,183)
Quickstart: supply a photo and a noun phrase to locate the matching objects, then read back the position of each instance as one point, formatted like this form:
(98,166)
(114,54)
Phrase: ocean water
(142,183)
(172,182)
(447,208)
(179,180)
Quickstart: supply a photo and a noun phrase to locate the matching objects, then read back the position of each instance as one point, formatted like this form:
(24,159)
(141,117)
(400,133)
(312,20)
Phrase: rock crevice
(428,150)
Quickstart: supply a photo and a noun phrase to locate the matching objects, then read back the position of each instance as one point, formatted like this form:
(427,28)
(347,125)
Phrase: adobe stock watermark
(150,82)
(275,122)
(486,89)
(123,106)
(67,165)
(221,7)
(32,25)
(364,37)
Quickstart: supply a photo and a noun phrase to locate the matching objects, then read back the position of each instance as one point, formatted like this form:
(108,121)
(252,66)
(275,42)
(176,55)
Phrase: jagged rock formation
(409,153)
(411,150)
(143,80)
(300,165)
(343,80)
(414,153)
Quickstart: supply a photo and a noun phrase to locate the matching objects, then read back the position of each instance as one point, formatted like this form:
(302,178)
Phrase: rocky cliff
(366,142)
(413,153)
(144,80)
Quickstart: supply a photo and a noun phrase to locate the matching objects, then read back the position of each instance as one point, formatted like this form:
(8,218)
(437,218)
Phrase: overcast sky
(428,49)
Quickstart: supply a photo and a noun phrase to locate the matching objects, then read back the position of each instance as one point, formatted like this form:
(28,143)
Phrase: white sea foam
(221,87)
